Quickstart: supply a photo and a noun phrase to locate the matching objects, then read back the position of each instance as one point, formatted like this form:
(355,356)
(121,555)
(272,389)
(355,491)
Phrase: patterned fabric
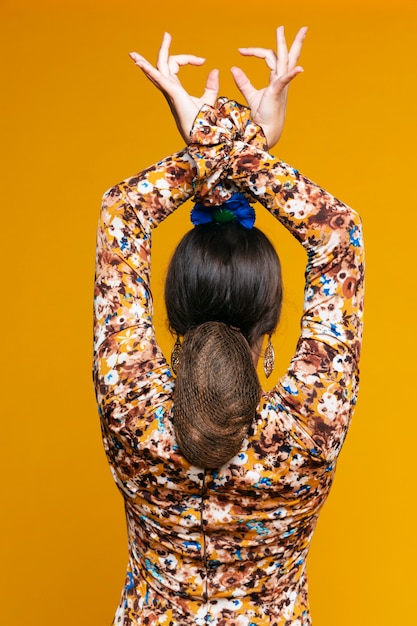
(225,547)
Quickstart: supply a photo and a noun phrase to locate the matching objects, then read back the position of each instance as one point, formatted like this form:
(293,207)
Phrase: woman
(221,503)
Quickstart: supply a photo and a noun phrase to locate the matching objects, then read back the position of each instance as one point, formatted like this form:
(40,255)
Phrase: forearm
(330,232)
(129,212)
(156,191)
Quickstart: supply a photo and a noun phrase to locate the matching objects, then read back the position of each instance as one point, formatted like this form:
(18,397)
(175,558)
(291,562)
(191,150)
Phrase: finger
(261,53)
(185,59)
(243,83)
(148,69)
(282,52)
(296,47)
(163,55)
(178,60)
(278,85)
(137,58)
(212,88)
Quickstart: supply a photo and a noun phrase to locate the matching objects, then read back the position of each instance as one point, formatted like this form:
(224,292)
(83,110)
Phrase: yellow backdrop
(77,117)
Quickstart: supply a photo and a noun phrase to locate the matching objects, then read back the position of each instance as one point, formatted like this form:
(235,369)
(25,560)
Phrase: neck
(256,350)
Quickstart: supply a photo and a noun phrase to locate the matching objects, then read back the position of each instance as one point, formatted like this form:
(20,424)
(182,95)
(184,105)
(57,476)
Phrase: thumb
(243,83)
(212,88)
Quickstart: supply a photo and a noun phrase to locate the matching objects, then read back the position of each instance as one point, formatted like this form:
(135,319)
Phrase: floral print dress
(226,546)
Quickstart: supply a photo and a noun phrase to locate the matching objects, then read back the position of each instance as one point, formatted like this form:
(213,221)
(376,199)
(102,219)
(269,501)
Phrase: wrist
(209,128)
(244,127)
(227,121)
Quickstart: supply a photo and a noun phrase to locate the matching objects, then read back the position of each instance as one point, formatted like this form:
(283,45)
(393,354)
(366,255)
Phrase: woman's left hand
(184,107)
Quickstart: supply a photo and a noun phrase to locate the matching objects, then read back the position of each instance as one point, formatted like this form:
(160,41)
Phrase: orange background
(77,117)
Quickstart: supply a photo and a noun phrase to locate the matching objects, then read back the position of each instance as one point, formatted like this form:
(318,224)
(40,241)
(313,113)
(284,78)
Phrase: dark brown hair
(230,276)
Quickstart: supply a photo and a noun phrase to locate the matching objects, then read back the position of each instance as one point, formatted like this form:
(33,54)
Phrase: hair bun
(216,394)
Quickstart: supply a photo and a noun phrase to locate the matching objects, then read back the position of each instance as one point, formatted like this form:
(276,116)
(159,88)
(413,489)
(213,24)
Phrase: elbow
(356,231)
(110,197)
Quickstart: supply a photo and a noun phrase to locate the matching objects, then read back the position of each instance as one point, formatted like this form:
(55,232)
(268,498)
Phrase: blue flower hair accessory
(236,209)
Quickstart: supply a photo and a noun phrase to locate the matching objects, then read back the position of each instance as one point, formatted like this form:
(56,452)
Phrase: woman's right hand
(184,107)
(268,106)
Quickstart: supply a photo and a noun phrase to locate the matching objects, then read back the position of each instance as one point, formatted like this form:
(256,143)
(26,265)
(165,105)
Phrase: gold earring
(175,355)
(269,358)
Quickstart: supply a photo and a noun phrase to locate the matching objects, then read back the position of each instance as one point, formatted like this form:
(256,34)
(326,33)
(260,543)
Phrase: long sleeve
(124,338)
(320,386)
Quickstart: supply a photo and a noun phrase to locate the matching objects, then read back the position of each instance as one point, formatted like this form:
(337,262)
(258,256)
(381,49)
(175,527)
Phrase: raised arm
(320,385)
(125,347)
(131,209)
